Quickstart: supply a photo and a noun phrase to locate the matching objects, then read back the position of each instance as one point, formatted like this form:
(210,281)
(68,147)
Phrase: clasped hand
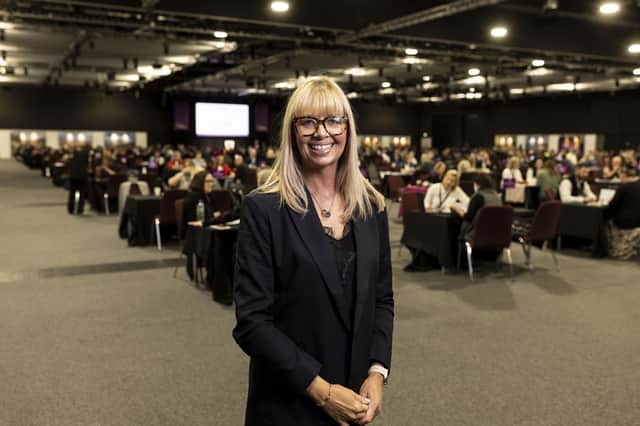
(344,405)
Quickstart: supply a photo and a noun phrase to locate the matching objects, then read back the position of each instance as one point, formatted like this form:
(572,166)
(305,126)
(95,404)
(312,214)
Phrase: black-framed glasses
(335,125)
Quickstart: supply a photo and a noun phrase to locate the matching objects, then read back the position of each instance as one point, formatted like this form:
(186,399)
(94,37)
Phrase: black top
(190,213)
(79,165)
(345,253)
(624,208)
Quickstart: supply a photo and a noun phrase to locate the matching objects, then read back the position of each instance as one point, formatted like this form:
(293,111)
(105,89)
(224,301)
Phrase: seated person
(438,171)
(613,172)
(485,195)
(241,172)
(532,172)
(548,180)
(575,188)
(200,189)
(512,171)
(441,196)
(182,179)
(624,212)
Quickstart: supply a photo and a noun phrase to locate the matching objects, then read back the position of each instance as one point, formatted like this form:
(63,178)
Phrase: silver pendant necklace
(326,213)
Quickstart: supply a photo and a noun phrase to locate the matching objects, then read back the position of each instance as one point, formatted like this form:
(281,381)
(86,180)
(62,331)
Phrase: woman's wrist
(319,390)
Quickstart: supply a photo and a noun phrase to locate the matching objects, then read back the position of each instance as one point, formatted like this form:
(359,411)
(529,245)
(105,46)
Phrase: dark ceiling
(168,45)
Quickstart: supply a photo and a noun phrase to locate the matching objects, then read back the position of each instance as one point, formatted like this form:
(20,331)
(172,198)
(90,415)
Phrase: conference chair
(543,229)
(167,215)
(252,180)
(492,230)
(113,186)
(409,202)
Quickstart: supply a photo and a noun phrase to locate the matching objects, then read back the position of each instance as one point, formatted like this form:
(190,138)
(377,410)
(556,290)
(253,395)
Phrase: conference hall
(285,213)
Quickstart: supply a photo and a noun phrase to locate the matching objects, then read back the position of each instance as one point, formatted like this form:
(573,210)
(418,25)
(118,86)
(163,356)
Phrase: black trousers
(79,185)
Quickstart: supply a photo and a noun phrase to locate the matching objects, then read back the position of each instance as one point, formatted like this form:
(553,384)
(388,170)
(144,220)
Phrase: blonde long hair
(321,96)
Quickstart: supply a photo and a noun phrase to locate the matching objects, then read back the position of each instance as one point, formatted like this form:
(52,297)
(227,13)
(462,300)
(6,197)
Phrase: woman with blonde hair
(313,291)
(442,196)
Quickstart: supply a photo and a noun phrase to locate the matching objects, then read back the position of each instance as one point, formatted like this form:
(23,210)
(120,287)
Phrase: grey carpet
(98,344)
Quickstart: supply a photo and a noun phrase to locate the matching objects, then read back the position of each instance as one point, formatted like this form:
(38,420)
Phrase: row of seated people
(622,210)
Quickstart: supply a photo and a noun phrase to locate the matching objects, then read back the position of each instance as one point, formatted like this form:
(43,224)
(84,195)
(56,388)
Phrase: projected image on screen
(214,119)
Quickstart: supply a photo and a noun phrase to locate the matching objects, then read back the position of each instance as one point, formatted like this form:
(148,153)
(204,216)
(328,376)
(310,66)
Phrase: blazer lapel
(312,234)
(366,233)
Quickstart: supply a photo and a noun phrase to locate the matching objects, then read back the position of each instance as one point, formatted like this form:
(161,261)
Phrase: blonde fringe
(361,198)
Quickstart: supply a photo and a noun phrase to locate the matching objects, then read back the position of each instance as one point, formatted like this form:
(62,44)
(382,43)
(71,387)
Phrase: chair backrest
(179,207)
(134,189)
(168,205)
(251,182)
(409,203)
(550,194)
(467,187)
(492,227)
(420,196)
(223,200)
(113,184)
(395,184)
(545,222)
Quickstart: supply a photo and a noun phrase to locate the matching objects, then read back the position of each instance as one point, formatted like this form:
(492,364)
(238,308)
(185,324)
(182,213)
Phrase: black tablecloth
(584,221)
(434,234)
(136,222)
(218,249)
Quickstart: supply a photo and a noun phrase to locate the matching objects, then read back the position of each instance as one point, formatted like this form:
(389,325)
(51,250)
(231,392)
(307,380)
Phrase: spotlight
(636,71)
(499,32)
(634,48)
(550,6)
(426,78)
(386,84)
(279,6)
(473,72)
(609,8)
(411,51)
(538,63)
(220,34)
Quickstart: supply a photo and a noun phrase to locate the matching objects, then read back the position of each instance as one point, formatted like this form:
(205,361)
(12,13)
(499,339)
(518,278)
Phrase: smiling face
(321,138)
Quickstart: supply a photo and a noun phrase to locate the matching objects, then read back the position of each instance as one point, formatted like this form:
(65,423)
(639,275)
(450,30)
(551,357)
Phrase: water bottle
(200,211)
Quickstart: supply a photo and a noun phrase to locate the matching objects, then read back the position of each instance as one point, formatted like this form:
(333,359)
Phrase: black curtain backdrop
(474,123)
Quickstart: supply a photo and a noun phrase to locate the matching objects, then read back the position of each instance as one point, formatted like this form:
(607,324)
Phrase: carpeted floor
(93,332)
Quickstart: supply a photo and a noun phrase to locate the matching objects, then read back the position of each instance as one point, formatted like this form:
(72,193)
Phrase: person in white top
(441,196)
(512,171)
(532,172)
(575,188)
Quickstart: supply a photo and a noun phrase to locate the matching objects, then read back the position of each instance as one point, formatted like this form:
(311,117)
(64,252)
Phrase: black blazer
(290,319)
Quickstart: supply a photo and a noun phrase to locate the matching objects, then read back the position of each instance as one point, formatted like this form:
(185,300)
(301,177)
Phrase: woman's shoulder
(263,199)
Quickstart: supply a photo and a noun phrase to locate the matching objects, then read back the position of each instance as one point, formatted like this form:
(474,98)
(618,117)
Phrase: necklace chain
(324,212)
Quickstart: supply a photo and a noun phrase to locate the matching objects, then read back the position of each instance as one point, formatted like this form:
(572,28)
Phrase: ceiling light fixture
(609,8)
(538,62)
(473,72)
(499,32)
(279,6)
(636,71)
(426,78)
(411,51)
(634,48)
(386,84)
(220,34)
(357,72)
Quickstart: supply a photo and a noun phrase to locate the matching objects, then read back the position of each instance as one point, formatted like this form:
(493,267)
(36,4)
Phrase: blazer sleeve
(255,331)
(384,311)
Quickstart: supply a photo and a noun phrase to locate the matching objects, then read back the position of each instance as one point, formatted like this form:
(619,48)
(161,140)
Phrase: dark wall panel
(87,109)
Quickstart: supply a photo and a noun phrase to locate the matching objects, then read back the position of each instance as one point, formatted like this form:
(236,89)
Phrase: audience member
(442,196)
(574,187)
(512,172)
(484,195)
(533,170)
(78,178)
(548,180)
(624,213)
